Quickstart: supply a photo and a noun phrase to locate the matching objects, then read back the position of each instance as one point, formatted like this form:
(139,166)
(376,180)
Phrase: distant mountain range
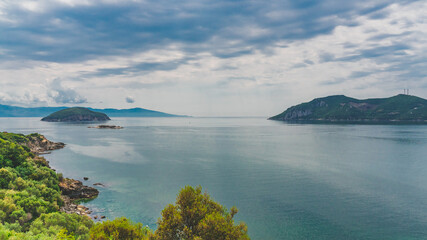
(339,108)
(12,111)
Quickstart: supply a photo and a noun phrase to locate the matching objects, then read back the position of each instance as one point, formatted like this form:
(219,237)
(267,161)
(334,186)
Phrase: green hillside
(75,114)
(400,108)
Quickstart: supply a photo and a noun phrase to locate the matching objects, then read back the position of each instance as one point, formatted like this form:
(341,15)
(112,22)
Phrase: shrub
(197,216)
(119,229)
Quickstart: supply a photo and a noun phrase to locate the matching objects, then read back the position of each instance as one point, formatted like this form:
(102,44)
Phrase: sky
(209,58)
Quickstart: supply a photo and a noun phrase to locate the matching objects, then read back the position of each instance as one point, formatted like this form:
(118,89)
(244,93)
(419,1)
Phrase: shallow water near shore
(289,181)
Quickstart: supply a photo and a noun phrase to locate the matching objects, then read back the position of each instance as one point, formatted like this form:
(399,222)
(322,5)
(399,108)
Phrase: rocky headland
(398,109)
(39,144)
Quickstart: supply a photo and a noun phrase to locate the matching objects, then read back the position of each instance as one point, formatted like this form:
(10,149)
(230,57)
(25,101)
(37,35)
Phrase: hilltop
(400,108)
(76,114)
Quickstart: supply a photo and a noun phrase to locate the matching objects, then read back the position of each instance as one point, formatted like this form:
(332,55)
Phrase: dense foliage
(342,108)
(197,216)
(30,199)
(119,229)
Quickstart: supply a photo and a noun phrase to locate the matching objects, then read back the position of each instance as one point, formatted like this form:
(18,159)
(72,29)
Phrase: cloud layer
(209,57)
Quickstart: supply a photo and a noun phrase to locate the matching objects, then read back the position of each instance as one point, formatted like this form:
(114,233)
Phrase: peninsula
(76,114)
(339,108)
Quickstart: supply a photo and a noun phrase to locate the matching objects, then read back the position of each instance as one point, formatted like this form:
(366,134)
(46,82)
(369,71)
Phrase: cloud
(64,31)
(130,99)
(64,95)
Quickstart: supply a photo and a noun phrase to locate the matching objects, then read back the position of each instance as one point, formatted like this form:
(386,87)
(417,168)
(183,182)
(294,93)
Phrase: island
(339,108)
(76,114)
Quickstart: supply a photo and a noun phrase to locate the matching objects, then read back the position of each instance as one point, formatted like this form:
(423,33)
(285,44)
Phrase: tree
(119,229)
(197,216)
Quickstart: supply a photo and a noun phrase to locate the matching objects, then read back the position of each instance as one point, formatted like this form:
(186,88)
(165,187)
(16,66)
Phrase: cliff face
(403,108)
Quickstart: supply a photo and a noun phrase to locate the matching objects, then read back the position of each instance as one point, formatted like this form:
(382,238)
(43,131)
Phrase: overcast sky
(209,58)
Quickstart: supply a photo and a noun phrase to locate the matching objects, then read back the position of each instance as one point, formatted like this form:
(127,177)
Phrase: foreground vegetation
(30,200)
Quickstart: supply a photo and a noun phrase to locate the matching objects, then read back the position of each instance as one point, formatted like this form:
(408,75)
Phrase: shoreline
(72,191)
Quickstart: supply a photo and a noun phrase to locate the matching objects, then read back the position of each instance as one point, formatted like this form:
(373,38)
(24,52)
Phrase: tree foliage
(119,229)
(197,216)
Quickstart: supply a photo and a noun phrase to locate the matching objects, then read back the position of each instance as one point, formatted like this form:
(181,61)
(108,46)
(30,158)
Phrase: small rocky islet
(106,127)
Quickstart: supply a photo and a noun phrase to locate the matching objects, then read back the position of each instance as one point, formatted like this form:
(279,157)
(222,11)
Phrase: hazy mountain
(12,111)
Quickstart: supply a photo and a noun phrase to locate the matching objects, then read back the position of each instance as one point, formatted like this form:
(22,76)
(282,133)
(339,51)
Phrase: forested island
(38,203)
(76,114)
(398,109)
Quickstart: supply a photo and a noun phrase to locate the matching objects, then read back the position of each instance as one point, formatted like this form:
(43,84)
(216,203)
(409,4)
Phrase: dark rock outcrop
(75,190)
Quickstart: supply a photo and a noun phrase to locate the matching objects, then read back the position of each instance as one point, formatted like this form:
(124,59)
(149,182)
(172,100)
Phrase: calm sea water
(289,181)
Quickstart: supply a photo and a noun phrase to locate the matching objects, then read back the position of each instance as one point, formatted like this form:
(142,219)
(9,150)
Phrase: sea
(289,181)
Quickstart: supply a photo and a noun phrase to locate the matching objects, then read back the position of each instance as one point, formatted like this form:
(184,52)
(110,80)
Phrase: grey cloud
(130,99)
(138,68)
(359,74)
(67,34)
(64,95)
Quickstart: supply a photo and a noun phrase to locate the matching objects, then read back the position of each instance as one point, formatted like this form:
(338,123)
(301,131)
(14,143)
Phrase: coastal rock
(71,207)
(99,184)
(38,144)
(75,189)
(85,178)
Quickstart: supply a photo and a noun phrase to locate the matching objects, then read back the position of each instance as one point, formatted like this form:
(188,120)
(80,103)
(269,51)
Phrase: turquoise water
(289,181)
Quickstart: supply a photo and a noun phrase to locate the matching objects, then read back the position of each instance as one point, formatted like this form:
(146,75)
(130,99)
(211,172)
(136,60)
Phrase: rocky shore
(72,190)
(38,144)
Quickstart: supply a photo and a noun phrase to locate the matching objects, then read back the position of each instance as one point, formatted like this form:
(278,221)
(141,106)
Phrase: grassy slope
(342,108)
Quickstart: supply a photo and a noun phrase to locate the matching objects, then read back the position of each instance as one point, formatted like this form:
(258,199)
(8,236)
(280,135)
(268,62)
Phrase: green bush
(119,229)
(197,216)
(75,225)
